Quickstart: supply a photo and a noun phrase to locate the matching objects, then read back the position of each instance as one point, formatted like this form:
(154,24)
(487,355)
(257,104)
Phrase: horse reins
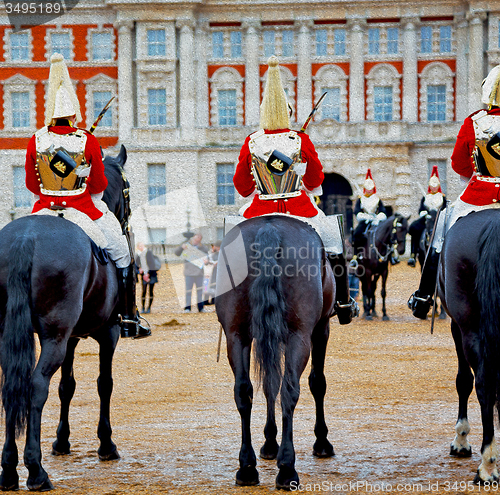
(391,244)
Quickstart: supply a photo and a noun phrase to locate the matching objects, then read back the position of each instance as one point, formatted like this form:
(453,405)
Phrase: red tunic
(96,181)
(477,192)
(299,205)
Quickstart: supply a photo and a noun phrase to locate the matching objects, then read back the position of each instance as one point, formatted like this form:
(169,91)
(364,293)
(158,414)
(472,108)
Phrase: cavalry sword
(306,123)
(100,116)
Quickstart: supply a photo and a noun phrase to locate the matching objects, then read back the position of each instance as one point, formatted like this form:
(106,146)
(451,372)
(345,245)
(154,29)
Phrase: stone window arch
(433,75)
(383,76)
(19,104)
(226,80)
(331,77)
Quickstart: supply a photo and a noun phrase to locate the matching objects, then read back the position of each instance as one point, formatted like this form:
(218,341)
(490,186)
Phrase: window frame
(227,185)
(157,189)
(149,103)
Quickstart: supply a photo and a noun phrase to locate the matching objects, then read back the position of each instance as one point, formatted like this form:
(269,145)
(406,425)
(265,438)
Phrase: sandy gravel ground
(391,407)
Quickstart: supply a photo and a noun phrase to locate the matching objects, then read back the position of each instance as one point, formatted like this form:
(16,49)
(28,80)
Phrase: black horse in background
(423,246)
(276,288)
(51,284)
(469,288)
(388,238)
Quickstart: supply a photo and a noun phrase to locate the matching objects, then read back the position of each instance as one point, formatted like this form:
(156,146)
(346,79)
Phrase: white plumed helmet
(491,93)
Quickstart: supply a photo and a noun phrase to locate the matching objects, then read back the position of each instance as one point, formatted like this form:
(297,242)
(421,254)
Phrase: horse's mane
(113,197)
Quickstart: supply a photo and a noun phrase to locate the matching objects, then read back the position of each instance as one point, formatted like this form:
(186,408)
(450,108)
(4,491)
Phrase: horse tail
(488,294)
(268,313)
(17,352)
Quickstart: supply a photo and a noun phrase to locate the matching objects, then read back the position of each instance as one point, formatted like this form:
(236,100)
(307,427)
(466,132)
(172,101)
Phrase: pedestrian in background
(148,265)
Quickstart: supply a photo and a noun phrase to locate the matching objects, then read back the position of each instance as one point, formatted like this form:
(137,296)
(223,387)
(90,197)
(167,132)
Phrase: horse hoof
(58,449)
(247,476)
(479,481)
(442,315)
(9,483)
(287,479)
(385,318)
(45,486)
(460,452)
(269,451)
(113,456)
(323,449)
(368,317)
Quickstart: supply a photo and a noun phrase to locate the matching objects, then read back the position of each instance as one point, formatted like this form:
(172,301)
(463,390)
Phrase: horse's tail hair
(268,321)
(488,294)
(17,352)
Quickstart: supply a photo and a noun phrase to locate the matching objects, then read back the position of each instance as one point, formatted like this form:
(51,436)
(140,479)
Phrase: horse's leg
(51,358)
(460,447)
(365,288)
(270,448)
(296,357)
(317,384)
(374,289)
(67,385)
(239,359)
(107,344)
(9,479)
(383,293)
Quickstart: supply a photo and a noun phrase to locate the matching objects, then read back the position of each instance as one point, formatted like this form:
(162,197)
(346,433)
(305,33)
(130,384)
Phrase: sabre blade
(306,123)
(100,116)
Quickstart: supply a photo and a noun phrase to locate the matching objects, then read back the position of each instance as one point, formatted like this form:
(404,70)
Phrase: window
(220,233)
(441,165)
(19,46)
(225,187)
(330,108)
(287,44)
(425,39)
(61,43)
(20,109)
(373,41)
(157,106)
(156,184)
(102,47)
(321,42)
(436,103)
(227,106)
(392,40)
(236,51)
(382,103)
(22,196)
(156,42)
(269,43)
(218,44)
(101,98)
(157,236)
(339,41)
(445,39)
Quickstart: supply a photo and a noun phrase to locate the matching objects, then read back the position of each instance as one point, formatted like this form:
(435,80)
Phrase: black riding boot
(130,322)
(345,306)
(420,302)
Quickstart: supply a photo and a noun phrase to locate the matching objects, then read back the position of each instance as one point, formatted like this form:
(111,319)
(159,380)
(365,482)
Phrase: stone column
(252,78)
(125,82)
(304,72)
(410,73)
(201,76)
(476,60)
(356,73)
(187,98)
(461,84)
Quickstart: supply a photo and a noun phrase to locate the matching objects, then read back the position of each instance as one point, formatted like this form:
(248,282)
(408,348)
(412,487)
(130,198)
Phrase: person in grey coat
(194,254)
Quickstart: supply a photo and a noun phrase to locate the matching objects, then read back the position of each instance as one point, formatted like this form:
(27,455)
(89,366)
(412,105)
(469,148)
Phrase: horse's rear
(275,287)
(469,288)
(50,284)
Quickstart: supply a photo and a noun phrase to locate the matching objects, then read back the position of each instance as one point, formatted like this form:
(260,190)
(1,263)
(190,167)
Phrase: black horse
(381,242)
(276,288)
(51,284)
(469,288)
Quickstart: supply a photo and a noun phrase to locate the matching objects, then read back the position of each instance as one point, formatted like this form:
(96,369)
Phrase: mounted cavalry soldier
(476,158)
(433,201)
(64,169)
(369,210)
(280,172)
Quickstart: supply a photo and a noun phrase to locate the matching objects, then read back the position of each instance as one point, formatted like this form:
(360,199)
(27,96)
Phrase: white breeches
(116,243)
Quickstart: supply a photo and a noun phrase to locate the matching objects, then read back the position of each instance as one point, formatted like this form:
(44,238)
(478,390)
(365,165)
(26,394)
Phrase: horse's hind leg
(383,293)
(239,359)
(51,358)
(460,447)
(107,344)
(67,385)
(296,357)
(9,479)
(270,448)
(317,384)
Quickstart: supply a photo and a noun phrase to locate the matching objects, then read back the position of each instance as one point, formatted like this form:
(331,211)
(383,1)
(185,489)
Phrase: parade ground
(391,408)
